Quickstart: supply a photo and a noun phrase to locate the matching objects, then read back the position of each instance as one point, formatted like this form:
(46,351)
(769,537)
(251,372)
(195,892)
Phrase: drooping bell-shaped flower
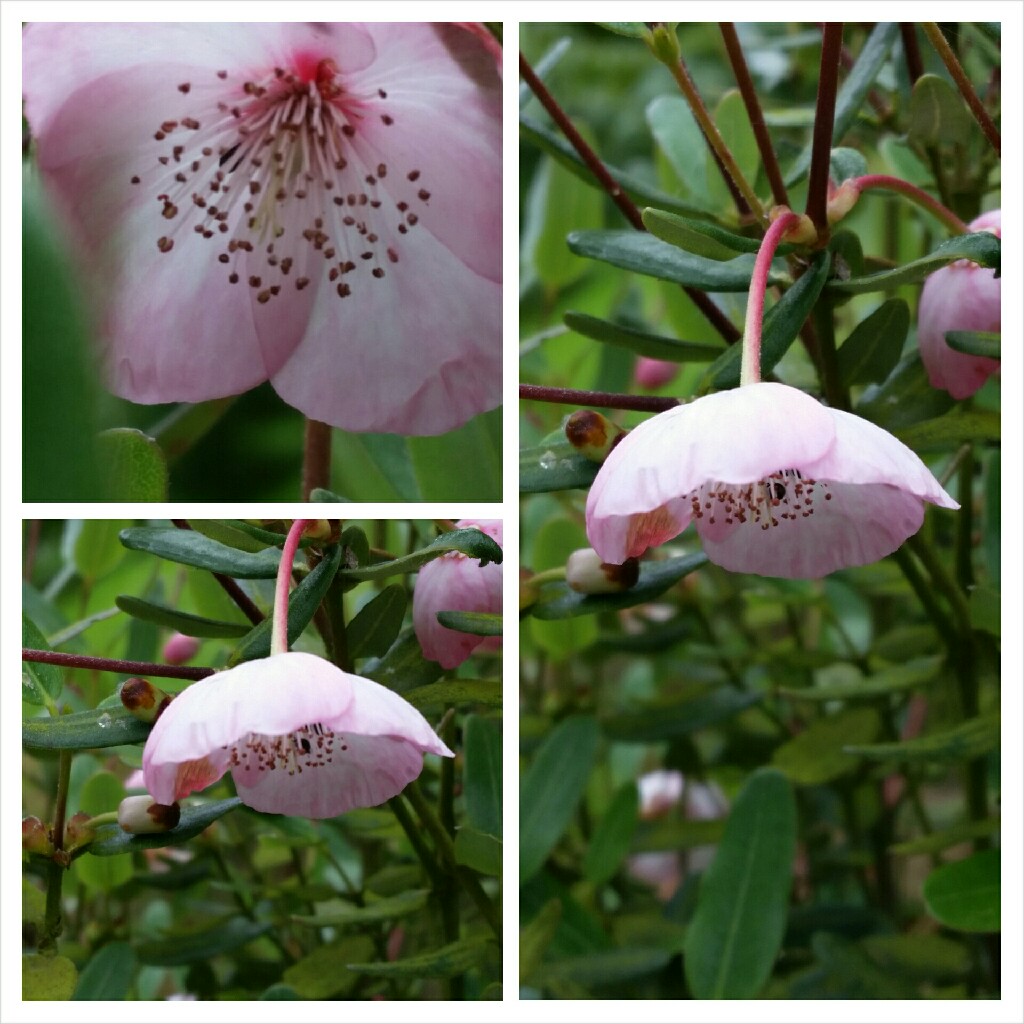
(299,736)
(960,297)
(776,483)
(314,204)
(456,582)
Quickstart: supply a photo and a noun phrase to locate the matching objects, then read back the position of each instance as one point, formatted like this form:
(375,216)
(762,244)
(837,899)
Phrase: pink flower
(179,648)
(653,373)
(960,297)
(659,792)
(314,204)
(456,582)
(299,736)
(778,484)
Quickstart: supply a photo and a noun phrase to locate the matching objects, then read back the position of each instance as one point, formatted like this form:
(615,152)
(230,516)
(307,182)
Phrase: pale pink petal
(481,32)
(659,791)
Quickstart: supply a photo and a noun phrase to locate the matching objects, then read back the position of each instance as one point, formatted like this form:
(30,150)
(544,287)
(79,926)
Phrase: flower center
(784,495)
(312,746)
(284,176)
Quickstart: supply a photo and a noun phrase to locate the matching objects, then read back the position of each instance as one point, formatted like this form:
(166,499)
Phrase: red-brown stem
(911,51)
(963,83)
(718,320)
(133,668)
(750,366)
(824,117)
(231,588)
(316,458)
(754,112)
(600,399)
(919,196)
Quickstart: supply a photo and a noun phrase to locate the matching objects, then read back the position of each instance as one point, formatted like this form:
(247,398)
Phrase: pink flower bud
(960,297)
(653,373)
(142,814)
(35,837)
(586,573)
(180,648)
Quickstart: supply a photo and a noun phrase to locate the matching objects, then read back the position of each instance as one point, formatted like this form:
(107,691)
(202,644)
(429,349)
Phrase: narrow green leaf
(192,947)
(390,908)
(846,163)
(446,962)
(478,850)
(236,534)
(97,550)
(612,837)
(375,627)
(873,348)
(733,123)
(323,495)
(134,467)
(937,114)
(981,247)
(680,140)
(39,681)
(781,326)
(185,426)
(702,238)
(108,974)
(640,342)
(183,622)
(543,67)
(303,602)
(740,919)
(279,990)
(190,548)
(469,541)
(906,397)
(403,668)
(455,693)
(973,738)
(663,719)
(551,789)
(644,254)
(816,755)
(843,970)
(111,840)
(535,936)
(920,956)
(477,623)
(936,842)
(324,974)
(482,774)
(976,343)
(965,895)
(560,601)
(605,967)
(554,467)
(894,679)
(632,29)
(84,730)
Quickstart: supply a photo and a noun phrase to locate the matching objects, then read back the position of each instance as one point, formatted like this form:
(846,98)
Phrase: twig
(132,668)
(601,399)
(824,118)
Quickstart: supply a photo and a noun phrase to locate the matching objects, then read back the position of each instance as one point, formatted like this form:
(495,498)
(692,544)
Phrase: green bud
(664,42)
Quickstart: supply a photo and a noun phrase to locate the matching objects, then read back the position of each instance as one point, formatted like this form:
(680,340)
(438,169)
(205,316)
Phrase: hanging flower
(314,204)
(456,582)
(777,484)
(960,297)
(299,736)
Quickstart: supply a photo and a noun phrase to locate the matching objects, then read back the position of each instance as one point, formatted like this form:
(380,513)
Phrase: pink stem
(919,196)
(279,635)
(750,367)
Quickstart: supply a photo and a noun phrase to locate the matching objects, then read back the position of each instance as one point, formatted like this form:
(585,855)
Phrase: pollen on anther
(165,244)
(136,179)
(184,87)
(413,175)
(387,119)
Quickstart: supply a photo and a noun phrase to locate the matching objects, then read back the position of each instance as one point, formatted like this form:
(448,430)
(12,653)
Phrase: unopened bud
(653,373)
(179,649)
(144,700)
(318,529)
(76,833)
(804,233)
(139,814)
(664,42)
(35,837)
(842,201)
(592,434)
(587,574)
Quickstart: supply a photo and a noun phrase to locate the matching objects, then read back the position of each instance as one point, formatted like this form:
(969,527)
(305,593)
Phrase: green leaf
(236,534)
(640,342)
(846,163)
(111,840)
(854,90)
(971,739)
(134,467)
(377,624)
(666,719)
(937,114)
(644,254)
(952,430)
(543,67)
(740,919)
(965,895)
(455,693)
(873,348)
(906,398)
(447,962)
(323,495)
(551,789)
(47,977)
(816,755)
(97,550)
(190,548)
(560,601)
(84,730)
(984,606)
(191,947)
(981,247)
(324,973)
(183,622)
(935,842)
(632,29)
(605,967)
(844,971)
(482,774)
(536,936)
(461,465)
(108,974)
(477,623)
(403,668)
(40,683)
(920,956)
(303,602)
(976,343)
(612,837)
(781,326)
(187,424)
(101,793)
(554,467)
(469,541)
(390,908)
(733,123)
(279,990)
(893,679)
(697,237)
(480,851)
(681,141)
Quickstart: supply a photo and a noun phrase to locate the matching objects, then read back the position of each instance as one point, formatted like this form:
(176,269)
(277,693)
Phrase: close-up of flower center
(785,495)
(280,173)
(312,746)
